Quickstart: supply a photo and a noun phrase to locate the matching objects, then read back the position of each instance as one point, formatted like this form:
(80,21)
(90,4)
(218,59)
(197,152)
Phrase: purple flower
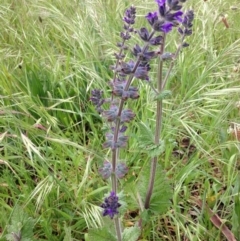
(152,17)
(167,27)
(160,2)
(125,35)
(111,114)
(110,143)
(125,68)
(187,24)
(121,170)
(111,205)
(144,54)
(174,5)
(173,17)
(188,19)
(129,16)
(118,90)
(178,16)
(106,170)
(156,40)
(97,99)
(123,129)
(142,73)
(162,8)
(127,115)
(144,34)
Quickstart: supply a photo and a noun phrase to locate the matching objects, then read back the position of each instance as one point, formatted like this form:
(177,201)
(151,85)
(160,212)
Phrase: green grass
(51,56)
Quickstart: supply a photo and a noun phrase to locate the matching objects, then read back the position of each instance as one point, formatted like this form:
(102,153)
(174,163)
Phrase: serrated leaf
(162,191)
(163,95)
(155,150)
(68,236)
(146,141)
(146,137)
(131,234)
(101,234)
(21,227)
(145,215)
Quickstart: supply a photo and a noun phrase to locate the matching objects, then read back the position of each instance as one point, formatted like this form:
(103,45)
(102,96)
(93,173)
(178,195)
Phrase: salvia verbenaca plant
(168,17)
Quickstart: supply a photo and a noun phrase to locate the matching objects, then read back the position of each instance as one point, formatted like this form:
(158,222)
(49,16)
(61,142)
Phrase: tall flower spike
(97,99)
(111,205)
(168,16)
(129,19)
(186,28)
(129,16)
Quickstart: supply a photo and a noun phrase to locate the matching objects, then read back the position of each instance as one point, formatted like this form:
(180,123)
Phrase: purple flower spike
(188,19)
(111,205)
(129,16)
(187,24)
(97,99)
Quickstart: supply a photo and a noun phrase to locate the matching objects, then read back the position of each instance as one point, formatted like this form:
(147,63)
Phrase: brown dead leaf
(215,219)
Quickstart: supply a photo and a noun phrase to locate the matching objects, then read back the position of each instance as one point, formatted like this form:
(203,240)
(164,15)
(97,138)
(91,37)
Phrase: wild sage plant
(162,22)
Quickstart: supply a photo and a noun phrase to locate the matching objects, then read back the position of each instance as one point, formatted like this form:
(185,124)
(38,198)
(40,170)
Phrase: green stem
(172,64)
(113,176)
(158,126)
(160,87)
(118,228)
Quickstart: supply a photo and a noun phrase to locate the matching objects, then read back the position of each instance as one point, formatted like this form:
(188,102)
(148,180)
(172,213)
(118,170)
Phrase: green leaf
(146,137)
(145,215)
(146,141)
(155,150)
(131,234)
(68,236)
(163,95)
(162,191)
(21,227)
(236,213)
(101,234)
